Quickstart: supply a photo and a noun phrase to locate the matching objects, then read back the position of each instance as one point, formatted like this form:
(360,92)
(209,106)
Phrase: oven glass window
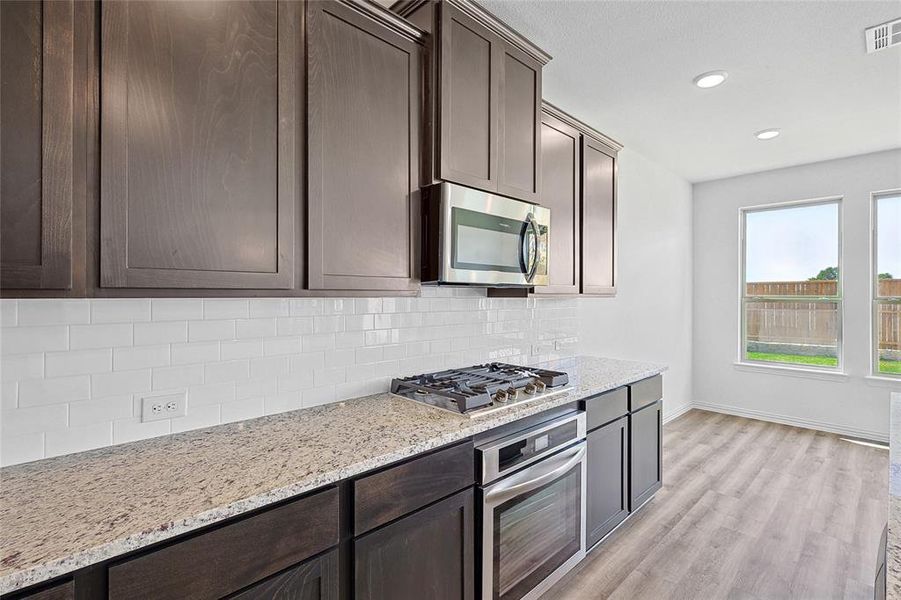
(535,533)
(484,242)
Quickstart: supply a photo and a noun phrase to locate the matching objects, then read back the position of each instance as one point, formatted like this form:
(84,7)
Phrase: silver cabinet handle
(509,489)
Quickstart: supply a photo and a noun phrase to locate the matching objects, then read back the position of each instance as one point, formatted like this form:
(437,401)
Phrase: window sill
(792,371)
(883,381)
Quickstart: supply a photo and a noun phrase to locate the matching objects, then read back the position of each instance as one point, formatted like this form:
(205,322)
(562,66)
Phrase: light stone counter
(893,543)
(60,514)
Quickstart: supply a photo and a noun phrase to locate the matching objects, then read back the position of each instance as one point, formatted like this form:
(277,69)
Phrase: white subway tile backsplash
(76,439)
(194,352)
(120,382)
(22,366)
(74,372)
(56,390)
(53,312)
(221,308)
(168,378)
(176,309)
(78,362)
(140,357)
(101,336)
(15,449)
(165,332)
(21,340)
(120,310)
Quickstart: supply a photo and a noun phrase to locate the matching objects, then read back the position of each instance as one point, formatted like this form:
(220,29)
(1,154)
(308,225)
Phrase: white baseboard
(677,413)
(795,421)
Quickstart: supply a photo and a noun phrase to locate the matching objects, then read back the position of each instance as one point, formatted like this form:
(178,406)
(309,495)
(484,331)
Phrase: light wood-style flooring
(749,509)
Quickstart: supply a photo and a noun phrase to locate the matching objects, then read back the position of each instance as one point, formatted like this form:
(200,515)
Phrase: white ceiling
(626,68)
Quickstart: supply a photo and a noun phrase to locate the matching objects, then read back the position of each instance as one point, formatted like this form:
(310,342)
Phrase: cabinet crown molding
(586,129)
(484,18)
(388,18)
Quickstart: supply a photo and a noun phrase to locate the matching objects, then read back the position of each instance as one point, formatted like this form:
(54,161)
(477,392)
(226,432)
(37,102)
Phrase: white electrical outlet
(154,408)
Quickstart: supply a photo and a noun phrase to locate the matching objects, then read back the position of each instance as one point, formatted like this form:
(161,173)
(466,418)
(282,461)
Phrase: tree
(827,274)
(885,276)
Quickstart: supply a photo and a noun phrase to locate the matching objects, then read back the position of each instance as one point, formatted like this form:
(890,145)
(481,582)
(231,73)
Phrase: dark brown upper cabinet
(365,90)
(37,122)
(561,173)
(199,164)
(599,165)
(486,99)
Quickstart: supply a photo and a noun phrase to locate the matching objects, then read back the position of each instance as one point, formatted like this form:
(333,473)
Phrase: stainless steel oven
(532,495)
(477,238)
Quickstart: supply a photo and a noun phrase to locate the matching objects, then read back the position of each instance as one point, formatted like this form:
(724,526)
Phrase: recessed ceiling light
(710,79)
(767,134)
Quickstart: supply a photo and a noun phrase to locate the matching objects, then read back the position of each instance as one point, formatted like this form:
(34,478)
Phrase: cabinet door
(36,144)
(645,453)
(519,129)
(598,218)
(468,100)
(60,591)
(364,142)
(315,579)
(198,165)
(607,480)
(428,554)
(560,176)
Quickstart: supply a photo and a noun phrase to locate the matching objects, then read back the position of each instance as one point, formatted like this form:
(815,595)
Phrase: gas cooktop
(482,389)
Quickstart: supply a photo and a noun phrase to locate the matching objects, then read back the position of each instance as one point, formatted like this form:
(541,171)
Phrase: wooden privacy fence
(813,323)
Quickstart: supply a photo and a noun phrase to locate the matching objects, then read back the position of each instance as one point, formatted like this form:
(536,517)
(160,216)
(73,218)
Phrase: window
(791,300)
(887,284)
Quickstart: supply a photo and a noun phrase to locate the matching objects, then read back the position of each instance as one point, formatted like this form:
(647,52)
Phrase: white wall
(650,317)
(853,405)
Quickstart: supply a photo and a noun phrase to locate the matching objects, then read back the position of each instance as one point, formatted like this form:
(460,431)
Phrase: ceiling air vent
(883,36)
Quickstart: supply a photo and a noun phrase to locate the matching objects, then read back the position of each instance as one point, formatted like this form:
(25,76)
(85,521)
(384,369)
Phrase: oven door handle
(510,488)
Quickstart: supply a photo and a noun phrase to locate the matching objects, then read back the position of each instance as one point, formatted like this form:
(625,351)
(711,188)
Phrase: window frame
(744,298)
(875,300)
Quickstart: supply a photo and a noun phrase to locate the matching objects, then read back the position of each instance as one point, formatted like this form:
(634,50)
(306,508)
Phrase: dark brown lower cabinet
(59,591)
(645,453)
(428,554)
(607,502)
(315,579)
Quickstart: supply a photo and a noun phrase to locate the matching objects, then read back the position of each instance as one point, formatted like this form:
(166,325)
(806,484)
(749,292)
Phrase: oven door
(533,526)
(492,240)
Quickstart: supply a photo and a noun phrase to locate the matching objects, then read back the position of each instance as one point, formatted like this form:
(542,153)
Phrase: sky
(888,235)
(794,244)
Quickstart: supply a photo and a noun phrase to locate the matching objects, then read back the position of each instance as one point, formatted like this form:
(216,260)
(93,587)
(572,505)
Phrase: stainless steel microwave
(478,238)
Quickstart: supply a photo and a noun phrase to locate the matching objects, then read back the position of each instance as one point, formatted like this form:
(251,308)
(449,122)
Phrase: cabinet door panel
(428,554)
(36,144)
(364,139)
(468,101)
(598,218)
(645,453)
(608,479)
(519,135)
(560,176)
(198,144)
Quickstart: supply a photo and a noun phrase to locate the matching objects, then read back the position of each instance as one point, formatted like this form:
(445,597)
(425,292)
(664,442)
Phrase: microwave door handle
(504,491)
(529,260)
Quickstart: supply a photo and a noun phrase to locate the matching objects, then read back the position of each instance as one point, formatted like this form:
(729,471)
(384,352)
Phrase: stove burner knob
(540,386)
(513,393)
(500,396)
(530,388)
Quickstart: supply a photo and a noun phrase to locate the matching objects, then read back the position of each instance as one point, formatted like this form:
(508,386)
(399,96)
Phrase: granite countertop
(893,543)
(60,514)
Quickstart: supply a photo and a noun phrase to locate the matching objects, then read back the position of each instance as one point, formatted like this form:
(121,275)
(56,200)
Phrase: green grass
(818,361)
(885,366)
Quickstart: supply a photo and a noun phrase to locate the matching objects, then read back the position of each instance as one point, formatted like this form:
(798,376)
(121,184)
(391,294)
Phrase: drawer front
(606,407)
(645,392)
(223,561)
(399,490)
(60,591)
